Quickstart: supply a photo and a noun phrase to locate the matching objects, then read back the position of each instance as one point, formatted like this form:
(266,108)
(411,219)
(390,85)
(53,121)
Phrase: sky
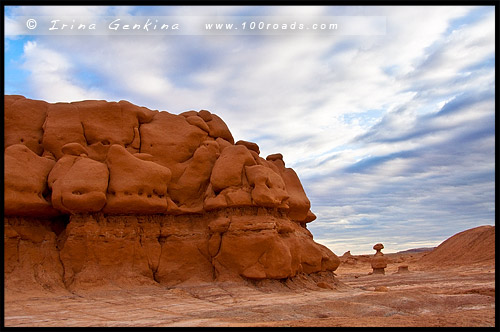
(390,125)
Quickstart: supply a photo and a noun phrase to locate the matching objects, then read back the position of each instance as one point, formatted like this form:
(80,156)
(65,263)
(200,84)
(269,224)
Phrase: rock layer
(111,191)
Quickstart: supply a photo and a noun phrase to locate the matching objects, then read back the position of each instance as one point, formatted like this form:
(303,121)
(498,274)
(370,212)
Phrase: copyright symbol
(31,24)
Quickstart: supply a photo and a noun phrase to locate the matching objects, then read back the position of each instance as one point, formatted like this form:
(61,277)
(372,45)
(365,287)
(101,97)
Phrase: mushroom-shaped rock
(378,261)
(135,186)
(25,182)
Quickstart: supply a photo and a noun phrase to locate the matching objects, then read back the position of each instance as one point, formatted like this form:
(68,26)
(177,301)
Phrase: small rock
(403,269)
(324,285)
(381,289)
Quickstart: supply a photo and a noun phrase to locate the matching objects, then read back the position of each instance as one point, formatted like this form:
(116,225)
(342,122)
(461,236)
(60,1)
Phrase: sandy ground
(447,297)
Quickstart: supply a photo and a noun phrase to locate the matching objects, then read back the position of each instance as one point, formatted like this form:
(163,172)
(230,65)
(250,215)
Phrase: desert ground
(424,296)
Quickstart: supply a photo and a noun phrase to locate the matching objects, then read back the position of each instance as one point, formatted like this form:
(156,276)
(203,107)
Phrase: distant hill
(475,245)
(415,250)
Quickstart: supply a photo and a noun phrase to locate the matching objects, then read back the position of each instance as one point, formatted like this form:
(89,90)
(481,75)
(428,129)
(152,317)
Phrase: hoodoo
(103,192)
(378,261)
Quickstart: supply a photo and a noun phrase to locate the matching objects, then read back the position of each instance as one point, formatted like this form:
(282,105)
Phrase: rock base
(96,250)
(378,271)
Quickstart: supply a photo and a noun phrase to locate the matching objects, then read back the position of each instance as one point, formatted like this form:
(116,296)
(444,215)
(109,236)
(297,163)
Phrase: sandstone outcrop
(103,192)
(348,258)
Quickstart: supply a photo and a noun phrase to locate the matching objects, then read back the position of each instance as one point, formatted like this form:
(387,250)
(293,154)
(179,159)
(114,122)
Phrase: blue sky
(392,135)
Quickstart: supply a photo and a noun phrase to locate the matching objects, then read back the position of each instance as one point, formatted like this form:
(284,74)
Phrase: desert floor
(422,297)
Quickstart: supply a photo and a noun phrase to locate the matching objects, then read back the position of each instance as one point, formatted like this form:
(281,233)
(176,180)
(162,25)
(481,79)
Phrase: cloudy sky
(392,134)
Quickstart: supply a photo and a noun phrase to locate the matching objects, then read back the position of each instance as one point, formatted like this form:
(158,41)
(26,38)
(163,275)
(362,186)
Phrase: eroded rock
(25,182)
(135,186)
(378,261)
(78,183)
(148,197)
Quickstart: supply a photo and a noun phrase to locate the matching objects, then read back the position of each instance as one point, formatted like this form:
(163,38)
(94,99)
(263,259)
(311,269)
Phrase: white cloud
(463,47)
(51,75)
(12,28)
(58,11)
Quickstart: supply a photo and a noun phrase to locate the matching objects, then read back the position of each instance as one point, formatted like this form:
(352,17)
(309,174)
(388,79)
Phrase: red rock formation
(348,258)
(378,261)
(102,192)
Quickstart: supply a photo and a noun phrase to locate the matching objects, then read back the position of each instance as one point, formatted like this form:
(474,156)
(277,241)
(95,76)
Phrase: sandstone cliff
(103,192)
